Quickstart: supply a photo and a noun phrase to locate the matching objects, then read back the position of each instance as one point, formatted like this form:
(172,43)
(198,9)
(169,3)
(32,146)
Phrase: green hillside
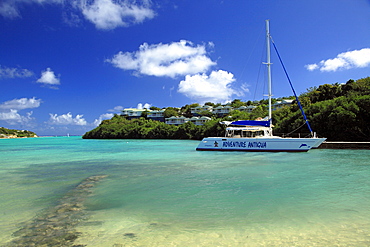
(11,133)
(339,112)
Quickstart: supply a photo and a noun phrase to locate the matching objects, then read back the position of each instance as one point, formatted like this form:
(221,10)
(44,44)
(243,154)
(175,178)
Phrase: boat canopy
(256,128)
(251,123)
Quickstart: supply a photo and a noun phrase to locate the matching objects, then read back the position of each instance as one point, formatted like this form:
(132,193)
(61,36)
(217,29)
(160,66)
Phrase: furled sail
(252,123)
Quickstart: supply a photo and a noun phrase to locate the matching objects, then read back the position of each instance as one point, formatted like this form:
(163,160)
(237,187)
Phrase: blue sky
(66,65)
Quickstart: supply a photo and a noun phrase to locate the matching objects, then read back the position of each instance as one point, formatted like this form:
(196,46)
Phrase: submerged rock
(56,227)
(130,235)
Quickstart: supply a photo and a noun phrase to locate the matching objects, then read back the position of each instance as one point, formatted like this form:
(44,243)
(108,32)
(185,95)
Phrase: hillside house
(176,120)
(281,104)
(157,115)
(199,120)
(197,110)
(181,120)
(131,113)
(221,111)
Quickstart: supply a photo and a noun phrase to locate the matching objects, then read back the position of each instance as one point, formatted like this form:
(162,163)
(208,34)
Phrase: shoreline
(16,137)
(344,145)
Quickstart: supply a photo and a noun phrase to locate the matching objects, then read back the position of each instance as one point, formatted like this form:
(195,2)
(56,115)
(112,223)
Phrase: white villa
(181,120)
(223,110)
(197,119)
(249,108)
(199,109)
(156,114)
(176,120)
(281,104)
(133,112)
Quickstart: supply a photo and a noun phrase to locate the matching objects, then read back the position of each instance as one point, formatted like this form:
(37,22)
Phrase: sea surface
(164,193)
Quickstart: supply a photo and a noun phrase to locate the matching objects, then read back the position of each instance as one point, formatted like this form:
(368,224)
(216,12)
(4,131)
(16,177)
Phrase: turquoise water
(164,193)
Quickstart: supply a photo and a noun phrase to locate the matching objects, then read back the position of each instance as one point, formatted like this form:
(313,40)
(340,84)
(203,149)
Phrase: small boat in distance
(254,135)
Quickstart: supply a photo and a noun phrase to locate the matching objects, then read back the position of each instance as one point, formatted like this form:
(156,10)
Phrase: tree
(239,115)
(206,113)
(145,113)
(338,112)
(171,111)
(236,103)
(210,104)
(186,110)
(185,131)
(258,112)
(162,131)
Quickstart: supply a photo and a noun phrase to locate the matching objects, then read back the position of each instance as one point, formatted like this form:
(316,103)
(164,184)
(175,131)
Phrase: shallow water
(164,193)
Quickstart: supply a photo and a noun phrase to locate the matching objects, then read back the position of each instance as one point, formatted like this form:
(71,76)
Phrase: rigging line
(295,129)
(258,79)
(250,55)
(291,85)
(263,54)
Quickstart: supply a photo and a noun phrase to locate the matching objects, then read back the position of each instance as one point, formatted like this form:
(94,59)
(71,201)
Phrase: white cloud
(105,14)
(312,67)
(14,72)
(67,119)
(145,106)
(215,88)
(9,10)
(72,19)
(9,110)
(20,104)
(116,109)
(48,78)
(108,14)
(345,60)
(13,117)
(103,117)
(171,60)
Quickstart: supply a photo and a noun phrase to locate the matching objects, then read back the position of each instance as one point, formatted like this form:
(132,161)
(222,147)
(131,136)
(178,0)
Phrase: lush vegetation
(141,128)
(340,112)
(11,133)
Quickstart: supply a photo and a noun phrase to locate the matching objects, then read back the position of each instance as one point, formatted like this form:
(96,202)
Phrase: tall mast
(268,63)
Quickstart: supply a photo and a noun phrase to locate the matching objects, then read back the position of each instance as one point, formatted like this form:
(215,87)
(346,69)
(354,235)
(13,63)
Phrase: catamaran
(254,135)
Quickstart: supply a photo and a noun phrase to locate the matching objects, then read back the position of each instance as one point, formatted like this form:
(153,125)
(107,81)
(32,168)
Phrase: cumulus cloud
(116,109)
(20,104)
(171,60)
(108,14)
(145,106)
(103,117)
(13,117)
(345,60)
(48,78)
(66,119)
(215,87)
(9,110)
(312,67)
(6,72)
(104,14)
